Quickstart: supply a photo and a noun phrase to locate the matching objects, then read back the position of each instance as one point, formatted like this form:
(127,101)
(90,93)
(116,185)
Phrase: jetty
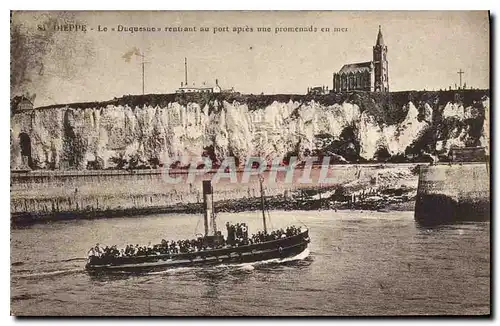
(455,192)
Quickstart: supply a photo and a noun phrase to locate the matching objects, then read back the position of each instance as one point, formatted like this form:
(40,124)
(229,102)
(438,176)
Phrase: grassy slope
(388,104)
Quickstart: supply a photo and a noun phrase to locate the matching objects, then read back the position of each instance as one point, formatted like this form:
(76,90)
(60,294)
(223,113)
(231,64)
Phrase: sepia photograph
(250,163)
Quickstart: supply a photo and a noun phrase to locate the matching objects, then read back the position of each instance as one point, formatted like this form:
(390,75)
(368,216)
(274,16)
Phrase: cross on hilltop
(460,73)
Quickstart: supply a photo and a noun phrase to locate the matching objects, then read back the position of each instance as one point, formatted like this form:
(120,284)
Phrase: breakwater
(449,193)
(49,195)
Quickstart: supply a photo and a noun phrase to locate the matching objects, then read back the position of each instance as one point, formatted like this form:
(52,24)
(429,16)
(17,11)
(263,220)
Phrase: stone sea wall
(455,192)
(61,195)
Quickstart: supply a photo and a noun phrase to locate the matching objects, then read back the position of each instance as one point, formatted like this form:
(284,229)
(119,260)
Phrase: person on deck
(244,231)
(91,252)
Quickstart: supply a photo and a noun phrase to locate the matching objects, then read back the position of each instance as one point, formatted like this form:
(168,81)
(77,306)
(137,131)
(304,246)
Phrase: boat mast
(143,74)
(214,224)
(186,71)
(261,179)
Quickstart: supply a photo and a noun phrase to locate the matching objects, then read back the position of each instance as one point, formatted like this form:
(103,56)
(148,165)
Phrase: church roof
(356,67)
(380,38)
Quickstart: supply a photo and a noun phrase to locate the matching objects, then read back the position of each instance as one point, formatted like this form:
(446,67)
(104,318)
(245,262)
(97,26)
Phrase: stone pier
(455,192)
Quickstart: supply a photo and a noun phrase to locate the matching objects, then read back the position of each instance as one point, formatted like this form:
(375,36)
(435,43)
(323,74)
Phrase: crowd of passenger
(290,231)
(164,248)
(237,235)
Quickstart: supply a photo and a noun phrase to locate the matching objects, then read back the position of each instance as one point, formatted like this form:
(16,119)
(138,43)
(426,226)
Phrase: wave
(21,297)
(49,274)
(241,267)
(301,256)
(65,260)
(246,268)
(173,270)
(75,259)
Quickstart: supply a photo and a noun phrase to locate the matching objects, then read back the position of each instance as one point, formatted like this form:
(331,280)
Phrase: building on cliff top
(185,88)
(204,88)
(371,76)
(318,90)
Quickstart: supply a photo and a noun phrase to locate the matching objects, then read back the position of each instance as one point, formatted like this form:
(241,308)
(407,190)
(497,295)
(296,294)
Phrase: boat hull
(276,249)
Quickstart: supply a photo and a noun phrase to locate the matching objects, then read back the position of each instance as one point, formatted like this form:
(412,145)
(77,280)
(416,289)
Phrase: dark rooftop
(356,67)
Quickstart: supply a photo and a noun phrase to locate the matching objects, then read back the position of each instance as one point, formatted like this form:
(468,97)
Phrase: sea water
(358,263)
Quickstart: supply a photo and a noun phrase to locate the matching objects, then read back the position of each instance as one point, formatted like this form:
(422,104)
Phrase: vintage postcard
(250,163)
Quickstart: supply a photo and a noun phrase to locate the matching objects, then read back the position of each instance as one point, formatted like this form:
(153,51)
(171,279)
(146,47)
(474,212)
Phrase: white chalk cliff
(71,137)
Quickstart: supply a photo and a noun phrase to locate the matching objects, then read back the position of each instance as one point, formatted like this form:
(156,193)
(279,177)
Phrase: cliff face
(141,131)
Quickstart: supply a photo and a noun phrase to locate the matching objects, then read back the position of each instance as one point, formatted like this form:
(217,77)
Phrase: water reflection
(435,228)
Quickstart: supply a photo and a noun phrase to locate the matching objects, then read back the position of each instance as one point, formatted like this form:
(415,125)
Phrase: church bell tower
(380,63)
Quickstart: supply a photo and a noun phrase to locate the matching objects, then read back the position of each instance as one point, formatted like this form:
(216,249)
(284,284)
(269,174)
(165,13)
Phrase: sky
(425,51)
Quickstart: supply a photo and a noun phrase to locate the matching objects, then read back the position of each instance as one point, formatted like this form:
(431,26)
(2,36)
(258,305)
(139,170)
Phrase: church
(371,76)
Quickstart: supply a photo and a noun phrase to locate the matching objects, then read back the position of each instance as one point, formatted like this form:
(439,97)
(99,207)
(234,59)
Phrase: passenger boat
(215,249)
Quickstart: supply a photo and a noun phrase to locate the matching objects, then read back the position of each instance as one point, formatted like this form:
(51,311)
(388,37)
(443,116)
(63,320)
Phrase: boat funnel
(207,187)
(208,206)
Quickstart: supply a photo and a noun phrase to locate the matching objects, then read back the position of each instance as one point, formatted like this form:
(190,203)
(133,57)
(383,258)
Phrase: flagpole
(136,52)
(142,74)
